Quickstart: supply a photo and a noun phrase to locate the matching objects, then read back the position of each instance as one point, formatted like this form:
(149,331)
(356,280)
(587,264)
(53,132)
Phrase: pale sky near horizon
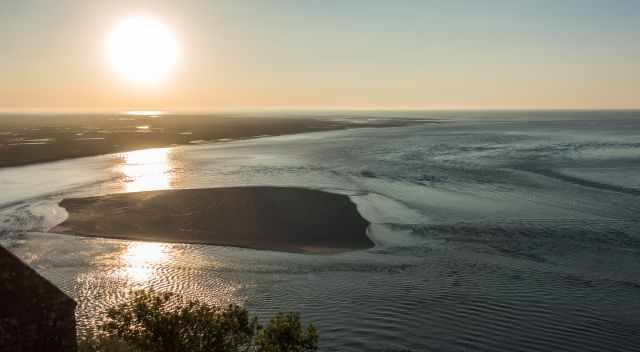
(330,54)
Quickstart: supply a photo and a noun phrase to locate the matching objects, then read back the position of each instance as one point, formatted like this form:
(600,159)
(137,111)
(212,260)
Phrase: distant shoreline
(286,219)
(32,141)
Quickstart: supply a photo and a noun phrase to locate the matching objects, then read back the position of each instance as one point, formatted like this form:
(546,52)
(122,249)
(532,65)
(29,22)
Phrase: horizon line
(156,111)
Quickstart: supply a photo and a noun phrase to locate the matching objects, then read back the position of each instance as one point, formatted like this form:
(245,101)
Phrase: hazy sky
(330,53)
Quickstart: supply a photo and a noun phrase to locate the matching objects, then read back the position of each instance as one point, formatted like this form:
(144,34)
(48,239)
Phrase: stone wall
(34,314)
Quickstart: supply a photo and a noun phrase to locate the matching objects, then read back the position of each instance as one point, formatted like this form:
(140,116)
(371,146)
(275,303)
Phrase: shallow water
(491,235)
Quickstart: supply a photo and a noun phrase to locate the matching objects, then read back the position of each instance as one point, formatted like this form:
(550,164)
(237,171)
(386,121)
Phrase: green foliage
(152,322)
(102,343)
(285,333)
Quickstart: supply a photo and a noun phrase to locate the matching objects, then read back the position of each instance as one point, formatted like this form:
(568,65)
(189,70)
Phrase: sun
(142,50)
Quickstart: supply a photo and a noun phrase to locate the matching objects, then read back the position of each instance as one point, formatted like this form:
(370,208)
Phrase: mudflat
(269,218)
(29,139)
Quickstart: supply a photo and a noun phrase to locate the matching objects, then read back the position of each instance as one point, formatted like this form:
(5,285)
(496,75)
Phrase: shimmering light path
(146,170)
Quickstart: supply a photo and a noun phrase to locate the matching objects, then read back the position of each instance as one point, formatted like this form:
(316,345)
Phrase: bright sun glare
(142,50)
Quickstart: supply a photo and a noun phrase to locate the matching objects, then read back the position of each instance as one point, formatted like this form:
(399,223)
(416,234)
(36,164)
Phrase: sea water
(494,231)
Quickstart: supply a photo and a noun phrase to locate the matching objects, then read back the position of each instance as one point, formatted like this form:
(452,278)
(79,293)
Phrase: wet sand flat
(30,139)
(269,218)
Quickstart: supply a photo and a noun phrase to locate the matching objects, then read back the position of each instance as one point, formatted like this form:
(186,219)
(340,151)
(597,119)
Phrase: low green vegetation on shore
(164,322)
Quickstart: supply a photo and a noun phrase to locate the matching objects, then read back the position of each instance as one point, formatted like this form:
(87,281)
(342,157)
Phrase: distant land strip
(30,140)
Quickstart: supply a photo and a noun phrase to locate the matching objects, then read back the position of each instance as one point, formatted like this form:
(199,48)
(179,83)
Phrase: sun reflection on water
(146,170)
(119,267)
(141,259)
